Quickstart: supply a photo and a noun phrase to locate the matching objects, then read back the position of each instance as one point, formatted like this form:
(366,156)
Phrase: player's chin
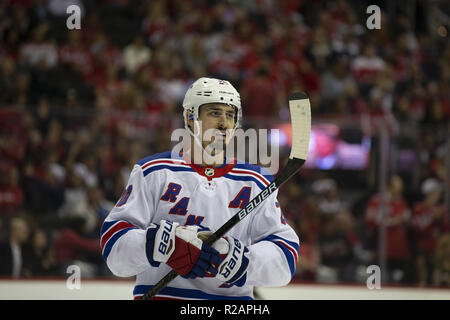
(218,144)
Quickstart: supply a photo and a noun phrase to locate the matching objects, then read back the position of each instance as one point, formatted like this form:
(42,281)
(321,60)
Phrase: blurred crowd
(79,107)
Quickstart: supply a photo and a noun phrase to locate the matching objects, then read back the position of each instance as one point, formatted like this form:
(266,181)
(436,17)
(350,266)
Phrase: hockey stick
(300,110)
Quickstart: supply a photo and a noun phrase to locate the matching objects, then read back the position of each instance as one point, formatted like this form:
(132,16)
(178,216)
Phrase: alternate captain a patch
(242,198)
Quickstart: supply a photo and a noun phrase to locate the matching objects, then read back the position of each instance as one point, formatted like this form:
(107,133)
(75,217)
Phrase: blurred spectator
(320,49)
(195,55)
(39,12)
(111,86)
(336,252)
(98,206)
(12,137)
(11,193)
(380,118)
(75,203)
(345,222)
(335,82)
(259,95)
(291,209)
(8,75)
(40,50)
(86,168)
(40,258)
(72,247)
(42,116)
(309,77)
(306,222)
(75,53)
(103,53)
(173,82)
(12,255)
(429,220)
(396,218)
(44,192)
(16,21)
(136,55)
(435,113)
(329,200)
(223,60)
(366,66)
(441,274)
(308,265)
(348,45)
(156,24)
(384,86)
(2,233)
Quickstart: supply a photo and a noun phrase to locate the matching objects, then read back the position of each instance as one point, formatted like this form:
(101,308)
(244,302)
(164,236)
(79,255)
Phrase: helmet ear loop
(195,132)
(189,116)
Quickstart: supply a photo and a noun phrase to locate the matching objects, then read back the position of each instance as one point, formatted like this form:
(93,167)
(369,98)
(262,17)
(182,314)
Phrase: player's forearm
(269,265)
(127,255)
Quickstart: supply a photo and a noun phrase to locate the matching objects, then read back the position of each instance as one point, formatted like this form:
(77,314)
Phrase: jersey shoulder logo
(125,195)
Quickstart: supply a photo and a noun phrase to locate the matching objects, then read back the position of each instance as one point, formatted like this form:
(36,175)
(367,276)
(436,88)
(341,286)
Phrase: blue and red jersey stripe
(111,231)
(289,248)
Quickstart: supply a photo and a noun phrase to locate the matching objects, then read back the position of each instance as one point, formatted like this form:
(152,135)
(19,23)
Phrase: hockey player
(172,199)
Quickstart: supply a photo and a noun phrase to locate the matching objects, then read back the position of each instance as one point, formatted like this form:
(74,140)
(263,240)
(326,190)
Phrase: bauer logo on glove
(166,244)
(233,268)
(228,266)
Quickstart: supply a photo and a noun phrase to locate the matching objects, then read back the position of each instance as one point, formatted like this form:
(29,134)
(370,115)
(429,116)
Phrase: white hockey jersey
(168,187)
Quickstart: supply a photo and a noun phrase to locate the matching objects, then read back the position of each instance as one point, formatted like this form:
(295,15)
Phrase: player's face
(216,116)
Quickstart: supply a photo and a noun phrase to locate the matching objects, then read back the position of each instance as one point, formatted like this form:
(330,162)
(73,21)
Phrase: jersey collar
(210,172)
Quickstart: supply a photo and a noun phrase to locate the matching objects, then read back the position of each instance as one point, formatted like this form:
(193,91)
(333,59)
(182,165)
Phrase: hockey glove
(181,249)
(233,268)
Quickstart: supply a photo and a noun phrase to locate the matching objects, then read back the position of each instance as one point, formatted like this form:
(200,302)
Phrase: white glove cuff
(221,245)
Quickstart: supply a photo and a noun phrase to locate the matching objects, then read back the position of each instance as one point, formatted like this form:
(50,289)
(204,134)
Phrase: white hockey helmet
(210,90)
